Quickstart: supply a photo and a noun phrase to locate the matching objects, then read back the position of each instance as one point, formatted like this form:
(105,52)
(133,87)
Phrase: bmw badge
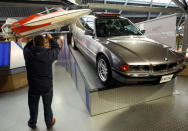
(166,59)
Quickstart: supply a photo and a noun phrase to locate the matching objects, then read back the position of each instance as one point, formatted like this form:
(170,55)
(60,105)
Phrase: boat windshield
(109,27)
(50,11)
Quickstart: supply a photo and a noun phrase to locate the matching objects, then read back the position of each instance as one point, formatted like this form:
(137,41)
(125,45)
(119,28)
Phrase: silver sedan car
(119,50)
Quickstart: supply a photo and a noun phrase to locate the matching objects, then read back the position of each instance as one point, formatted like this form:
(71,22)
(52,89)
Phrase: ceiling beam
(185,4)
(105,3)
(133,8)
(126,2)
(138,15)
(179,4)
(165,7)
(34,4)
(149,13)
(179,22)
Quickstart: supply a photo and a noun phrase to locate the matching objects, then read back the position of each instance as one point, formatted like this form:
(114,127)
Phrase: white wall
(161,29)
(16,56)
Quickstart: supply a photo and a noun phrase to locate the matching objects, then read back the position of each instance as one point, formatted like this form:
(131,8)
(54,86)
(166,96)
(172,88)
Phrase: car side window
(86,23)
(83,20)
(80,23)
(89,24)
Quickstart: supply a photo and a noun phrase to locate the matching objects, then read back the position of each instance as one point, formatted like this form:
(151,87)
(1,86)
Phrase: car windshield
(107,27)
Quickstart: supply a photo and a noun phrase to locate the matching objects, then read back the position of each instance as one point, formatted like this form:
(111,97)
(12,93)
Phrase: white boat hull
(42,23)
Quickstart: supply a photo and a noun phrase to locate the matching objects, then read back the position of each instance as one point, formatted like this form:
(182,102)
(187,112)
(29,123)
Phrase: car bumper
(131,78)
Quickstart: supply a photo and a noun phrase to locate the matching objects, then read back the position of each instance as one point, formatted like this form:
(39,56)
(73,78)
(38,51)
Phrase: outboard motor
(6,29)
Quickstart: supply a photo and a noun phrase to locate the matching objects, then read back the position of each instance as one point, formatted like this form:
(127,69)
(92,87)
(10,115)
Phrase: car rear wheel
(104,70)
(73,43)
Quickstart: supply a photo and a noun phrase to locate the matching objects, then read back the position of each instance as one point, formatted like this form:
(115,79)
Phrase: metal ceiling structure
(133,9)
(139,10)
(36,3)
(128,8)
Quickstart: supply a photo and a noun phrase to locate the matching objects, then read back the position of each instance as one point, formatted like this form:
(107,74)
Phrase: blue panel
(76,76)
(87,99)
(4,53)
(65,54)
(70,62)
(62,57)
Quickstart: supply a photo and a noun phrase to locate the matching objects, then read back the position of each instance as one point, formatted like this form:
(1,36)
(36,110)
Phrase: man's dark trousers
(38,62)
(33,102)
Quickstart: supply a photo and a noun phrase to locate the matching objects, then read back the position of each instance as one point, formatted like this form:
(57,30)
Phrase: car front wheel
(104,70)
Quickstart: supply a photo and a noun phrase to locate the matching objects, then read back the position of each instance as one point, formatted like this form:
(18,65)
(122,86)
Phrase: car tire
(73,43)
(104,70)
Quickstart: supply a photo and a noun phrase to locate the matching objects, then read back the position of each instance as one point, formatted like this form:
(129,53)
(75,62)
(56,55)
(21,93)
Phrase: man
(39,57)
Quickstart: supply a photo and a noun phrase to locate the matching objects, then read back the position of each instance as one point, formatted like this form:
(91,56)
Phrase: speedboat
(42,22)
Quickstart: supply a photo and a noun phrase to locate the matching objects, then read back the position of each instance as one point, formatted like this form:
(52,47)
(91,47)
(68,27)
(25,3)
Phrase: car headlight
(125,67)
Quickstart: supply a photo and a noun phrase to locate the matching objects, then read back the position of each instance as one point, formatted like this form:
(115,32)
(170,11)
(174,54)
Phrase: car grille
(140,68)
(172,65)
(161,67)
(164,67)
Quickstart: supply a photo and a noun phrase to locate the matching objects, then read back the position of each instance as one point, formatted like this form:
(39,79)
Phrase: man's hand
(49,36)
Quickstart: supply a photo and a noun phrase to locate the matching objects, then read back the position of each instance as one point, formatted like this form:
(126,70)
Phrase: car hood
(140,50)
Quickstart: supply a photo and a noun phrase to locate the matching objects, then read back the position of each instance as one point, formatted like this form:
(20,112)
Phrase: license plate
(166,78)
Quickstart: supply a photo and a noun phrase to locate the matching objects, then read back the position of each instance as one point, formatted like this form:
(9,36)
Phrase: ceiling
(46,3)
(23,8)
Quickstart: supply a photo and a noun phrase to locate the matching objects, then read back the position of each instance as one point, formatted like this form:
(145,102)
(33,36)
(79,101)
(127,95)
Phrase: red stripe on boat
(29,18)
(24,20)
(22,29)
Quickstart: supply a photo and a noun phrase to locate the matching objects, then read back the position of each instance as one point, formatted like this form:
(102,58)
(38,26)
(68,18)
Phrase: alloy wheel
(102,70)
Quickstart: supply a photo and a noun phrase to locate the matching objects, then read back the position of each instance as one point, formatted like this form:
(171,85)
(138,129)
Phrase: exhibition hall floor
(169,113)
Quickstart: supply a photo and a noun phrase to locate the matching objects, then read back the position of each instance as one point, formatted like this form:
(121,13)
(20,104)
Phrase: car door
(90,39)
(78,31)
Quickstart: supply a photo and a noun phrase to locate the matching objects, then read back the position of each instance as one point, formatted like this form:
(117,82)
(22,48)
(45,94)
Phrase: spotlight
(62,37)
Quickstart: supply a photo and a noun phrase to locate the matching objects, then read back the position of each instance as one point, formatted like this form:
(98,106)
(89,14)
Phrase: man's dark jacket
(38,62)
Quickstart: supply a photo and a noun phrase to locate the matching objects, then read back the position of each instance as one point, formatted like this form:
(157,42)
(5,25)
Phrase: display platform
(100,99)
(12,67)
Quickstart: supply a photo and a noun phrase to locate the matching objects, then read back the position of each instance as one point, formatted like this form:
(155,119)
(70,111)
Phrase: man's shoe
(31,125)
(53,122)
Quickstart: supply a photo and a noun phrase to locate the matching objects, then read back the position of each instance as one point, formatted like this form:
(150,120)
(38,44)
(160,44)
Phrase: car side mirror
(143,31)
(89,32)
